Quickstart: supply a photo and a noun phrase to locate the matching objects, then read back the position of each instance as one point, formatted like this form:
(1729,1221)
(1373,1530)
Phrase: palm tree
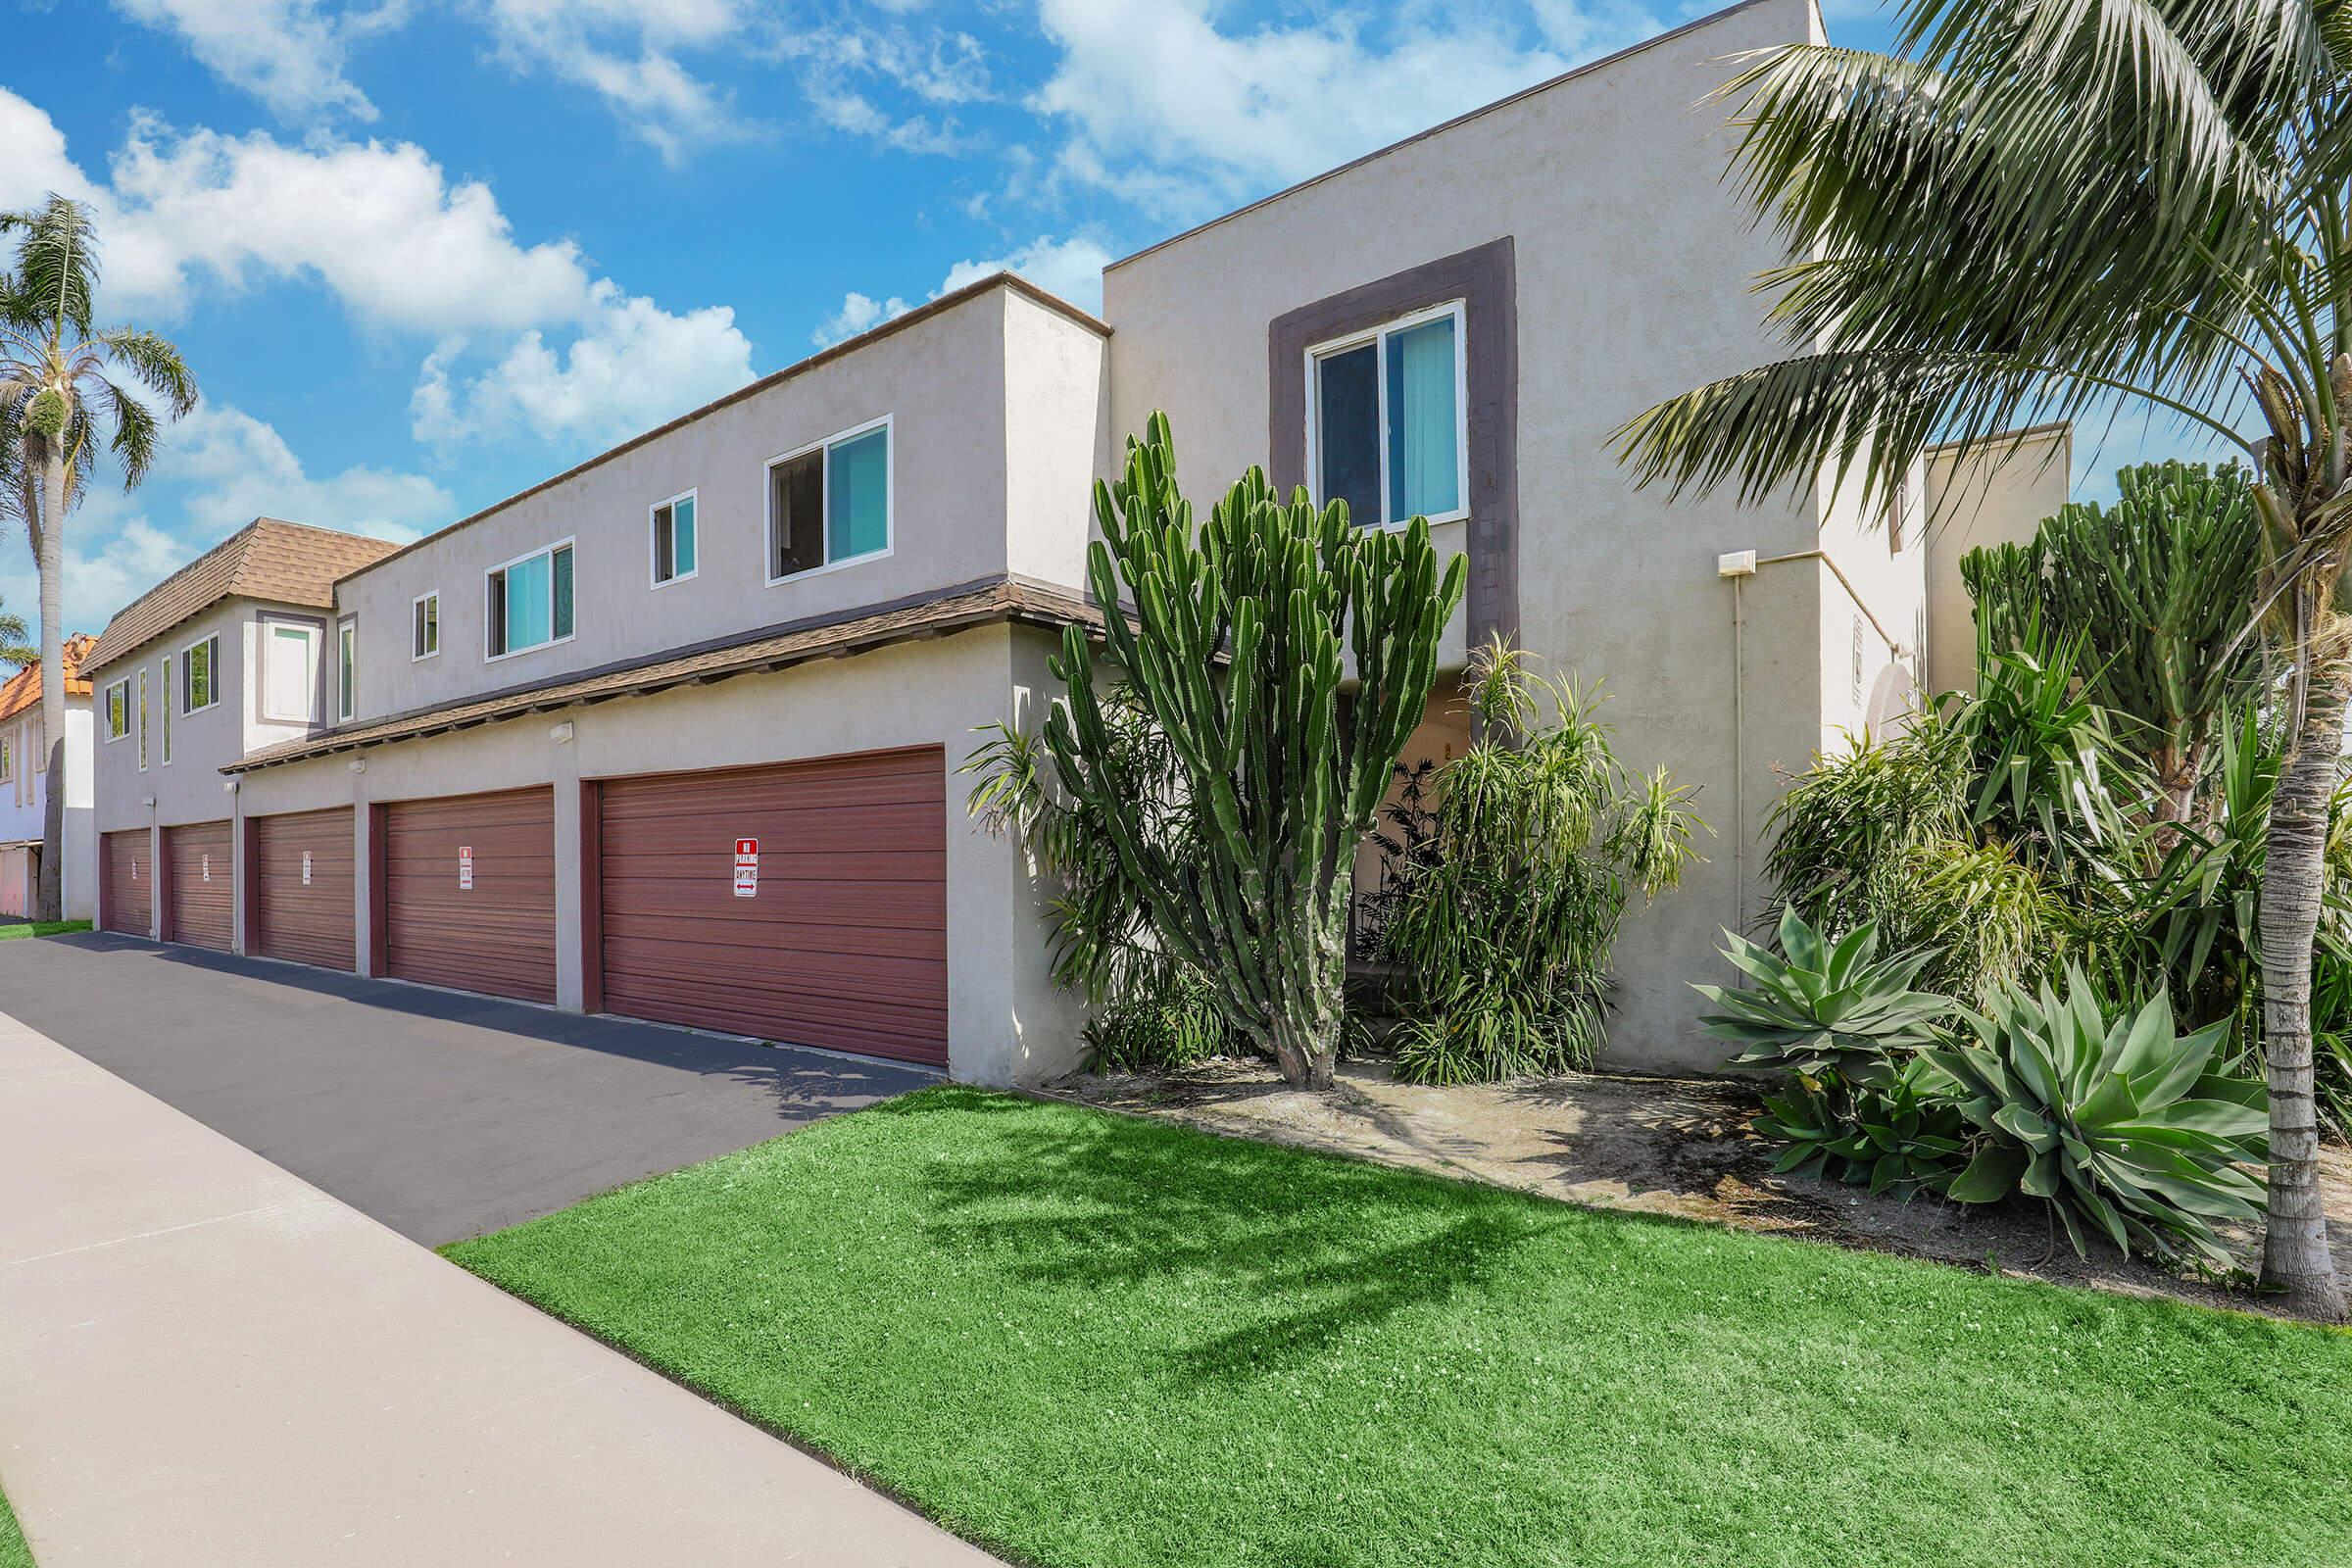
(2030,208)
(57,404)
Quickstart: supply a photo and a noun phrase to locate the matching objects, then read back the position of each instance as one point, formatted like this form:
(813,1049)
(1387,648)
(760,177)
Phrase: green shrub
(2119,1122)
(1483,1033)
(1821,1011)
(1905,1139)
(1161,1023)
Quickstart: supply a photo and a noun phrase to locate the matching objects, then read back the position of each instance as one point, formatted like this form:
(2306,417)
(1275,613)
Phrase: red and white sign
(464,867)
(306,868)
(746,868)
(208,867)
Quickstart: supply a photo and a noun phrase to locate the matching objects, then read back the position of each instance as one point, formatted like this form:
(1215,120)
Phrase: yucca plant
(1825,1010)
(2119,1122)
(2043,756)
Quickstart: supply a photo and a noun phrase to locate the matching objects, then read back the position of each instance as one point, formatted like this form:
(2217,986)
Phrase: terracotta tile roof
(284,562)
(936,614)
(22,690)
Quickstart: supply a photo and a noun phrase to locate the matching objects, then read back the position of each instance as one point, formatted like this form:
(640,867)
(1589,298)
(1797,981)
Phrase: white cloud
(290,54)
(627,52)
(1071,269)
(113,555)
(1166,111)
(632,367)
(856,113)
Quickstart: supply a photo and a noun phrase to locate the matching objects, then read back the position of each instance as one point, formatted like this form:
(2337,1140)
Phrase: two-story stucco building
(674,734)
(26,779)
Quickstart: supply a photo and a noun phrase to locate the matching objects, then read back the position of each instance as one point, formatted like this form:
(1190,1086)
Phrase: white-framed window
(200,675)
(142,720)
(1385,425)
(163,704)
(118,709)
(424,626)
(347,667)
(8,761)
(527,602)
(829,502)
(676,555)
(289,672)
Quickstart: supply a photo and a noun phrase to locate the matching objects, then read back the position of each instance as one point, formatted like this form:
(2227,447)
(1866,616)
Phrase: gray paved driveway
(443,1117)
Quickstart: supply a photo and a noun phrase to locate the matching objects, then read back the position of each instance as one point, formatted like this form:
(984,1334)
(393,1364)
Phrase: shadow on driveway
(442,1115)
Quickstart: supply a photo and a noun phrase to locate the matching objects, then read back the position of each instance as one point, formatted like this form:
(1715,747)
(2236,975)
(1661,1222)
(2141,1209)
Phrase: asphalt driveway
(441,1115)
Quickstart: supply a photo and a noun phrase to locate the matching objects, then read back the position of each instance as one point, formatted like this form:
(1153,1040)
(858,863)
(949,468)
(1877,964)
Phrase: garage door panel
(845,944)
(311,922)
(129,874)
(201,887)
(497,936)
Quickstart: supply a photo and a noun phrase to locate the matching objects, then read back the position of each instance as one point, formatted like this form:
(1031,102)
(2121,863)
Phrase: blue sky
(424,252)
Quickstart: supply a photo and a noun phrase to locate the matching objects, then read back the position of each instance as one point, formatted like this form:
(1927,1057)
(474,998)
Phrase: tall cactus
(1236,652)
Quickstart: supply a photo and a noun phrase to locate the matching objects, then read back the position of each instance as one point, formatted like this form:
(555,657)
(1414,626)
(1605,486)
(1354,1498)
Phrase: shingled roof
(269,558)
(939,612)
(22,690)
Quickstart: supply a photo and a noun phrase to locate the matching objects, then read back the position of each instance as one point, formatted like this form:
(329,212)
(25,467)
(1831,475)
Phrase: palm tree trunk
(49,561)
(2295,1259)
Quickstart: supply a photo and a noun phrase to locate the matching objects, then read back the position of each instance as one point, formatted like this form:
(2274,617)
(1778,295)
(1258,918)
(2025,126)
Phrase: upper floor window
(424,626)
(163,702)
(8,761)
(529,602)
(1385,426)
(674,540)
(118,709)
(1897,514)
(199,675)
(347,669)
(142,720)
(831,502)
(289,672)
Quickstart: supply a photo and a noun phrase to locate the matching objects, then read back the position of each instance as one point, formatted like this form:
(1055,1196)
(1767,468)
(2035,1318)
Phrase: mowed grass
(14,1553)
(40,928)
(1086,1340)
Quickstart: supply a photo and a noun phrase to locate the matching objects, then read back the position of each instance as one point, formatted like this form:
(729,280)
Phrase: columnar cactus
(1237,651)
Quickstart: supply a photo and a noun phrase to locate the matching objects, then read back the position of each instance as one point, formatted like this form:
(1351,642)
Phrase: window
(829,503)
(1385,426)
(347,669)
(8,761)
(142,721)
(529,602)
(118,709)
(199,675)
(674,540)
(424,627)
(1898,507)
(289,673)
(162,694)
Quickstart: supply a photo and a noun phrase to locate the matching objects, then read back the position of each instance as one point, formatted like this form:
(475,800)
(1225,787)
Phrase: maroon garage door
(199,885)
(128,875)
(838,936)
(304,885)
(468,896)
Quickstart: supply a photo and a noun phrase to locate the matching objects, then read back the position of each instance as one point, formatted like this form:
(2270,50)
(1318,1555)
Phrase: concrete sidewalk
(208,1363)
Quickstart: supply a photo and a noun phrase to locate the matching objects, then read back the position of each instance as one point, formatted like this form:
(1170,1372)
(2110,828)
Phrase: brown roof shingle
(932,615)
(284,562)
(22,690)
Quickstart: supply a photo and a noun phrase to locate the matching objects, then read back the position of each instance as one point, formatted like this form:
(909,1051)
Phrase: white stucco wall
(1997,494)
(1635,266)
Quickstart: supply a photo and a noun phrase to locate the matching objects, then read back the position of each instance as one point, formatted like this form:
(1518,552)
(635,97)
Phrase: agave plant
(2120,1123)
(1904,1140)
(1825,1010)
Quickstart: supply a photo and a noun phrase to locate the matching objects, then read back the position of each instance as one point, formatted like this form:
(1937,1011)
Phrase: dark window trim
(1486,278)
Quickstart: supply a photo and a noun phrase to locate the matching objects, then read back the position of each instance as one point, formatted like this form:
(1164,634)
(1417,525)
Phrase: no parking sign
(746,868)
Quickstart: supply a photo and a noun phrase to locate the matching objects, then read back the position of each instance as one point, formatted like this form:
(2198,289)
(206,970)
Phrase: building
(674,734)
(25,782)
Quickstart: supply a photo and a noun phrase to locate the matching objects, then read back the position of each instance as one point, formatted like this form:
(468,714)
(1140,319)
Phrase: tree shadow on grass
(1306,1249)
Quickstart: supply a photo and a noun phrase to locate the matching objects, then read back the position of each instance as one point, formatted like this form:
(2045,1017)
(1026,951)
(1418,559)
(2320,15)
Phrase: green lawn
(14,1553)
(41,928)
(1087,1339)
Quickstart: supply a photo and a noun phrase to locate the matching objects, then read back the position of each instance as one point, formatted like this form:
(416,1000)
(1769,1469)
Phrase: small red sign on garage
(464,866)
(746,868)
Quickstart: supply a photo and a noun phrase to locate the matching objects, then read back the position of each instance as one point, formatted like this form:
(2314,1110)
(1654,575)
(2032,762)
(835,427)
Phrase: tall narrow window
(142,720)
(347,669)
(118,709)
(1387,420)
(425,630)
(829,503)
(164,694)
(289,674)
(529,602)
(674,540)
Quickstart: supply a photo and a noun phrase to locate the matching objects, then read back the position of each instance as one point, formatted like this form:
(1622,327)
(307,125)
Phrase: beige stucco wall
(958,514)
(1006,1020)
(1634,274)
(1997,494)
